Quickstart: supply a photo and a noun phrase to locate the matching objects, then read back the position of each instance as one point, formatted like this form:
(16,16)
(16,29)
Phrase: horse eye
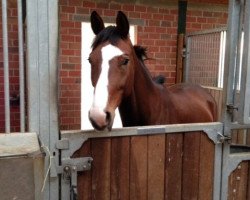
(125,61)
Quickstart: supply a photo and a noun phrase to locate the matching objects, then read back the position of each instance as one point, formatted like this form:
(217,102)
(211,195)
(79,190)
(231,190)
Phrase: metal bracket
(216,136)
(69,169)
(62,144)
(79,164)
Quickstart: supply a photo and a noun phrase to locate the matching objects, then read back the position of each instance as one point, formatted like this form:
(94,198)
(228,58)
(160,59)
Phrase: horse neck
(136,106)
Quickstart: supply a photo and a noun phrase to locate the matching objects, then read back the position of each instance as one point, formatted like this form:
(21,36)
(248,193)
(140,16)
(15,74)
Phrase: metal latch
(231,108)
(222,138)
(69,169)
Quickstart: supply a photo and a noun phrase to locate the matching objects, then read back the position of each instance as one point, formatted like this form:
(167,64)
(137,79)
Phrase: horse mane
(110,34)
(141,52)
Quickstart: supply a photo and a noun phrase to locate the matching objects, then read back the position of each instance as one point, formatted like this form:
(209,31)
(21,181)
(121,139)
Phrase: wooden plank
(238,187)
(156,163)
(138,168)
(101,149)
(241,137)
(120,168)
(242,179)
(248,182)
(173,166)
(248,138)
(191,155)
(206,172)
(231,186)
(234,137)
(84,178)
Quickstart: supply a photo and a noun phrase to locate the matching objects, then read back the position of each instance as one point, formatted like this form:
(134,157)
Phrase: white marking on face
(101,89)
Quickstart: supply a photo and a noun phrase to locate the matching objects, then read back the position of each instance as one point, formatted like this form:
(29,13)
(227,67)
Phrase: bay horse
(121,80)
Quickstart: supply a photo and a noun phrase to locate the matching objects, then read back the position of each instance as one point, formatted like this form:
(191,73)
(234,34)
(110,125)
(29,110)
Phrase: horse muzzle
(101,119)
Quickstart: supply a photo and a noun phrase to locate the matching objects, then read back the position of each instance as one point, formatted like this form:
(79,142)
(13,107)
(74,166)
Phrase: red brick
(67,24)
(134,15)
(152,9)
(146,15)
(75,2)
(154,36)
(157,16)
(154,22)
(164,11)
(82,10)
(74,74)
(149,29)
(201,20)
(196,25)
(148,42)
(88,4)
(63,2)
(102,5)
(64,73)
(109,12)
(74,31)
(68,52)
(75,59)
(139,8)
(212,20)
(194,13)
(67,38)
(68,9)
(207,14)
(128,7)
(160,30)
(115,6)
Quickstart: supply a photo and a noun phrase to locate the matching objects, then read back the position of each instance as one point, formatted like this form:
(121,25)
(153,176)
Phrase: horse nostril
(108,117)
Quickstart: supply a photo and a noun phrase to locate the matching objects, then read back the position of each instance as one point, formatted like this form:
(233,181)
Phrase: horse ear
(97,24)
(122,24)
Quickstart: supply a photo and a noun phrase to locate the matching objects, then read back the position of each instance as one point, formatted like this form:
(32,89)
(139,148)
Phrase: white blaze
(101,90)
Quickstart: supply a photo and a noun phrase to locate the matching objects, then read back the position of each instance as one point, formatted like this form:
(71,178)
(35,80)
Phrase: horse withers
(121,80)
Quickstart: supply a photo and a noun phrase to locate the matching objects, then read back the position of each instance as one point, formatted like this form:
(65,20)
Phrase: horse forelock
(109,34)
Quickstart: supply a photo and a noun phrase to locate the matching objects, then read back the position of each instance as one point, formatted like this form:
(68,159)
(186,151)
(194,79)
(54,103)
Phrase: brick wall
(13,65)
(157,30)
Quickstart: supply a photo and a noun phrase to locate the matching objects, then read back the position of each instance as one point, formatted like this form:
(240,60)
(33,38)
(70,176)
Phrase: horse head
(112,59)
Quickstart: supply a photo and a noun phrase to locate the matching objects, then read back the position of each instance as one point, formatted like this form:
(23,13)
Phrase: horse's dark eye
(125,61)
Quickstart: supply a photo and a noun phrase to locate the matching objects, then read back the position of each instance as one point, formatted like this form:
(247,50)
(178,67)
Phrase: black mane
(110,34)
(141,52)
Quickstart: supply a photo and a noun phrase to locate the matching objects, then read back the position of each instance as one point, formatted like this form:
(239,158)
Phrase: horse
(121,80)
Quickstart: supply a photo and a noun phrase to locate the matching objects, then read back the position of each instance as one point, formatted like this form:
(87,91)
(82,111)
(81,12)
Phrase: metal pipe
(21,66)
(6,66)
